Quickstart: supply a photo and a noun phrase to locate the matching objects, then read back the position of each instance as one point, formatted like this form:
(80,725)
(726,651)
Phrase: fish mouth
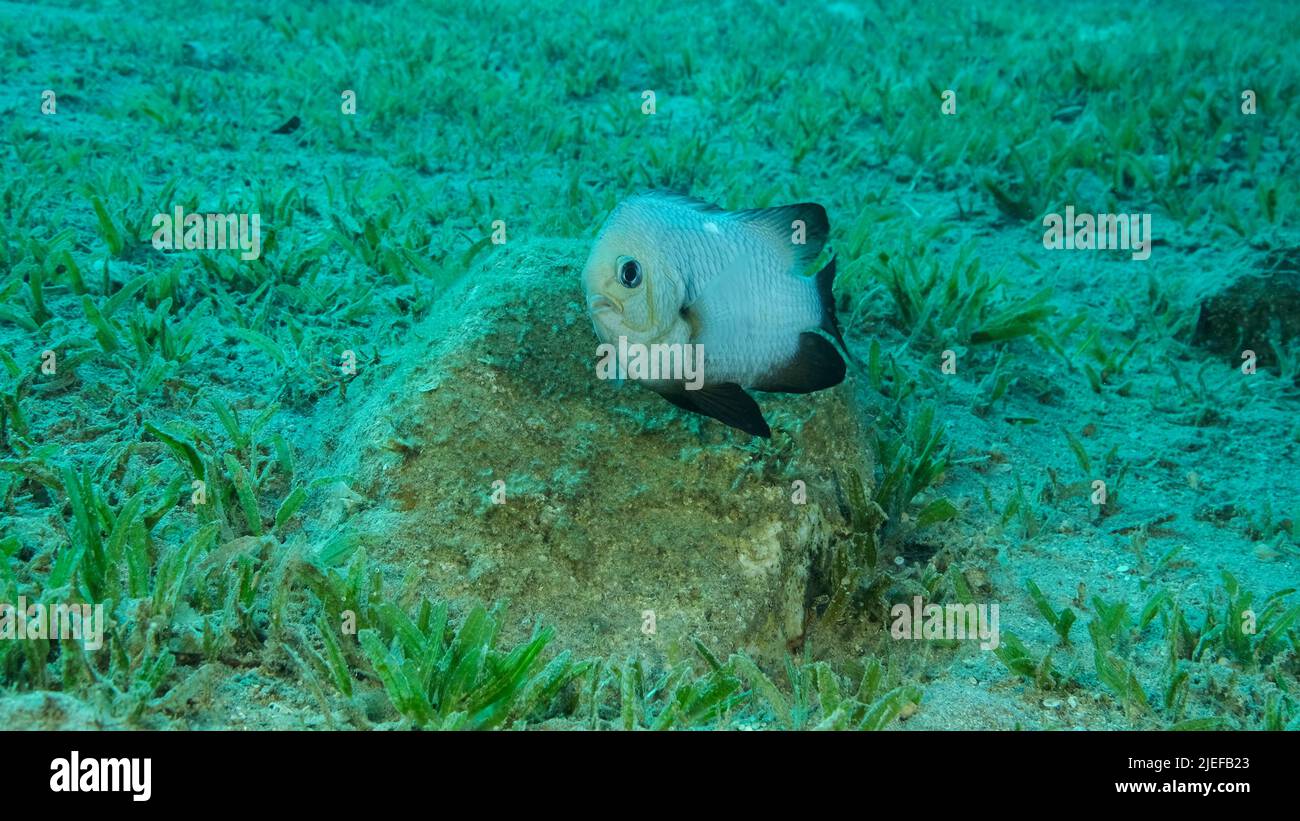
(600,302)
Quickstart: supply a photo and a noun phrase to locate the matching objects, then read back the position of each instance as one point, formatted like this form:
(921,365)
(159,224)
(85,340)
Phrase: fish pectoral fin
(816,365)
(727,402)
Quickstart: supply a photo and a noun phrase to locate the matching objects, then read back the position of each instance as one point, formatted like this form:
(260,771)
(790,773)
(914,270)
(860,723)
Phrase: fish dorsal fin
(775,226)
(685,200)
(782,227)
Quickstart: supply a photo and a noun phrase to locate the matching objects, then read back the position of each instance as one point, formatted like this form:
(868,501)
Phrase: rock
(629,525)
(1251,311)
(44,710)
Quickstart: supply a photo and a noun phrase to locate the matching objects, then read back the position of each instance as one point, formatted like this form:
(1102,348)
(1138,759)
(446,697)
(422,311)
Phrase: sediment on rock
(499,467)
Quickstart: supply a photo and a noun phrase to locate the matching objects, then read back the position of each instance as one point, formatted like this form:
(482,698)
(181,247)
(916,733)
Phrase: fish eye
(629,272)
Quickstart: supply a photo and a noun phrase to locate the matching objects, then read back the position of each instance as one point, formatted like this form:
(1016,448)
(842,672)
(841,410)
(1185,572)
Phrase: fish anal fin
(726,401)
(815,366)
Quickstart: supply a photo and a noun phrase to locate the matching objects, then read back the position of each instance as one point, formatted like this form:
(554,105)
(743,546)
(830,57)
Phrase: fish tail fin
(817,365)
(825,279)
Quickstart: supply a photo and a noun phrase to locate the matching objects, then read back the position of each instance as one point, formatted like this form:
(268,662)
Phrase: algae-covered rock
(495,463)
(1257,311)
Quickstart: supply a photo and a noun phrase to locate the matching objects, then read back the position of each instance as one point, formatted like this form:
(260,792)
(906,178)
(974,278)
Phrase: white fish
(672,269)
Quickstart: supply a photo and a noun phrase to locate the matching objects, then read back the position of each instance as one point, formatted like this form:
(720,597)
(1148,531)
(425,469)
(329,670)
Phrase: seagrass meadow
(363,475)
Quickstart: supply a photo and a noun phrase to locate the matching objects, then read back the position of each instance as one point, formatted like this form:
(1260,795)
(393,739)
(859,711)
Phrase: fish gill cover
(305,420)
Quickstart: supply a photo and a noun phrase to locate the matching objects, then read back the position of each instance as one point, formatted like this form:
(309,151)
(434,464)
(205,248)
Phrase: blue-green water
(282,467)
